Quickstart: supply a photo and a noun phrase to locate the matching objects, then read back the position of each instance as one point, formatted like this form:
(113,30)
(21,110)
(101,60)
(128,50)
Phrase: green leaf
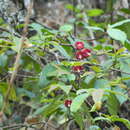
(71,77)
(77,102)
(79,119)
(120,98)
(101,119)
(97,95)
(3,91)
(94,12)
(112,104)
(17,44)
(36,27)
(40,110)
(65,88)
(94,28)
(48,109)
(69,6)
(125,10)
(96,68)
(89,78)
(1,101)
(3,60)
(117,34)
(125,67)
(120,23)
(121,50)
(94,127)
(127,44)
(107,64)
(102,84)
(62,50)
(24,92)
(66,28)
(124,121)
(61,85)
(49,68)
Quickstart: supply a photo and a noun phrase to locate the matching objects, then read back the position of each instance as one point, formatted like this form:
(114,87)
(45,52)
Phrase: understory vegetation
(75,76)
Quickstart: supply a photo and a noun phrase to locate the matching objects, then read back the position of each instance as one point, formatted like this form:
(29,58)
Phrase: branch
(74,16)
(29,125)
(16,64)
(113,69)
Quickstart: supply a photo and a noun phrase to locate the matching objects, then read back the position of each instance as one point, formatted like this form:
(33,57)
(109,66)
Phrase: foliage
(46,76)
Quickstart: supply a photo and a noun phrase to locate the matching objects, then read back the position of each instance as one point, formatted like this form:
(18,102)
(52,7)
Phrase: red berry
(79,45)
(79,55)
(86,52)
(78,68)
(68,103)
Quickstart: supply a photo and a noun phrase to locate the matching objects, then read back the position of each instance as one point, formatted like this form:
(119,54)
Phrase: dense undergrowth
(67,78)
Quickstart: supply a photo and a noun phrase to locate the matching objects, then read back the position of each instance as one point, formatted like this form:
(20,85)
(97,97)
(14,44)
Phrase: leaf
(121,50)
(65,88)
(125,10)
(1,101)
(36,27)
(79,119)
(17,44)
(71,77)
(102,119)
(94,12)
(77,102)
(3,60)
(124,121)
(94,28)
(89,78)
(120,23)
(125,67)
(61,85)
(117,34)
(94,127)
(97,95)
(24,92)
(102,84)
(69,7)
(49,68)
(127,44)
(48,109)
(107,64)
(66,28)
(120,98)
(112,104)
(96,68)
(40,110)
(3,91)
(62,50)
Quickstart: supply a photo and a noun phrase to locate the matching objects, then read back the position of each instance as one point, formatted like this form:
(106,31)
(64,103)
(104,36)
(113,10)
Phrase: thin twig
(4,30)
(29,125)
(74,16)
(113,69)
(16,64)
(4,78)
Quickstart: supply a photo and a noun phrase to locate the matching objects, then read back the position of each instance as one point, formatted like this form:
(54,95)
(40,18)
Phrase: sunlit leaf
(97,95)
(112,104)
(66,28)
(94,12)
(120,23)
(77,102)
(117,34)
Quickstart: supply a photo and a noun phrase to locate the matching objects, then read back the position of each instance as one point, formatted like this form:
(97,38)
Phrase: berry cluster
(67,103)
(81,53)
